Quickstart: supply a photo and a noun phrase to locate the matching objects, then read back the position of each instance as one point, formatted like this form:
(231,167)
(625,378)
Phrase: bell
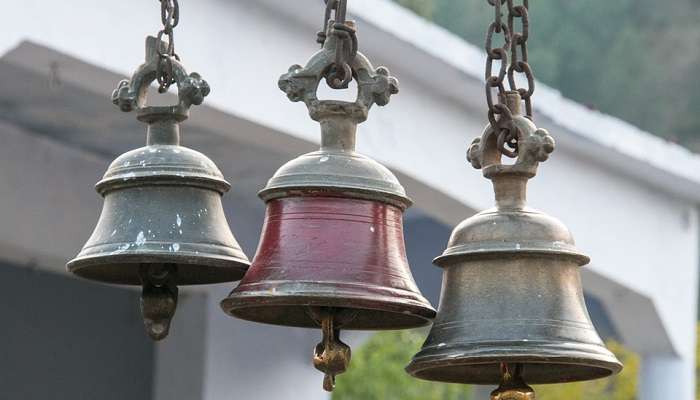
(162,224)
(332,253)
(512,308)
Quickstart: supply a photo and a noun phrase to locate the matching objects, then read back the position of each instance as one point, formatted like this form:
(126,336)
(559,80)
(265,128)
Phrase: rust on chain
(170,18)
(339,74)
(519,54)
(513,59)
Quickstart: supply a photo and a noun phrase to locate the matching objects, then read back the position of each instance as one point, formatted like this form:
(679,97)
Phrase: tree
(377,372)
(635,59)
(423,8)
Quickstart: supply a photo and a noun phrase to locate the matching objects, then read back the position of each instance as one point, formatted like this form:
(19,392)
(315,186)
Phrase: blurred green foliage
(377,373)
(619,387)
(635,59)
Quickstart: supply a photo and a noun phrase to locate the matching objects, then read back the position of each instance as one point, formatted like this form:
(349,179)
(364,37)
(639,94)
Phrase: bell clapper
(158,298)
(513,387)
(331,356)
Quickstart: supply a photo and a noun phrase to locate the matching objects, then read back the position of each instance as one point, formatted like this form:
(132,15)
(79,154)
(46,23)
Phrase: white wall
(641,237)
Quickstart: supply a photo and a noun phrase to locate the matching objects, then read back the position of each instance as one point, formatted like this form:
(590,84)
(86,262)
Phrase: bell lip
(488,249)
(318,189)
(343,295)
(596,359)
(217,268)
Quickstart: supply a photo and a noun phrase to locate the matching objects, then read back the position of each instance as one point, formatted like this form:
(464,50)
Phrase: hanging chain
(518,59)
(515,43)
(170,17)
(340,73)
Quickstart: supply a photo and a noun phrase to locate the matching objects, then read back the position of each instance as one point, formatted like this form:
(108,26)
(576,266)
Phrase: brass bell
(512,307)
(163,223)
(332,250)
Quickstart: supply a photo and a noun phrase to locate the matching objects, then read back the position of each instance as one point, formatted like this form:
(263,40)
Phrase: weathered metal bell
(332,249)
(162,223)
(512,295)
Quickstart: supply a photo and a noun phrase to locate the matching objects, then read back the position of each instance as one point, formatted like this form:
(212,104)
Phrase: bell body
(512,293)
(162,205)
(331,252)
(333,237)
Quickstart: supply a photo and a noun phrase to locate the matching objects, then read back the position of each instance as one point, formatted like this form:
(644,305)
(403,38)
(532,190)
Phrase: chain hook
(340,73)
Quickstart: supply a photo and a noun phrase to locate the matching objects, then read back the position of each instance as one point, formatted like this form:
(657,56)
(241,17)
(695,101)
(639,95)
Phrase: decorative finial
(131,94)
(534,146)
(375,86)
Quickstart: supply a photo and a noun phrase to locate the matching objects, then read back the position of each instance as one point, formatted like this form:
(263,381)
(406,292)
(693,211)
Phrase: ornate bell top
(162,160)
(511,226)
(337,167)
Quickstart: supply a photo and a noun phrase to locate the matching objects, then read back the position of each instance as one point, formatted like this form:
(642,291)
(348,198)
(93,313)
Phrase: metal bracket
(131,94)
(534,146)
(375,86)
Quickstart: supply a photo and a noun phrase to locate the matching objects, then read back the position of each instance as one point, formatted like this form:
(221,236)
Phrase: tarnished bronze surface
(332,243)
(511,288)
(162,223)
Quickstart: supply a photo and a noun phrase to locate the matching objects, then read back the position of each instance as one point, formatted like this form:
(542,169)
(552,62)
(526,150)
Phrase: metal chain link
(340,74)
(495,81)
(514,42)
(170,17)
(519,57)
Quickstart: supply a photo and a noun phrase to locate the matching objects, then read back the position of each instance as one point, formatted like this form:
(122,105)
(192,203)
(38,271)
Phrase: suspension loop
(170,17)
(339,74)
(508,142)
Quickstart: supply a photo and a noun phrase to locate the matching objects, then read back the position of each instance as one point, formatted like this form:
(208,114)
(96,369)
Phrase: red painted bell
(332,249)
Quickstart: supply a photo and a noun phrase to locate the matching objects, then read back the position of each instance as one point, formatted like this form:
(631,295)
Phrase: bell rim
(415,305)
(221,268)
(595,359)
